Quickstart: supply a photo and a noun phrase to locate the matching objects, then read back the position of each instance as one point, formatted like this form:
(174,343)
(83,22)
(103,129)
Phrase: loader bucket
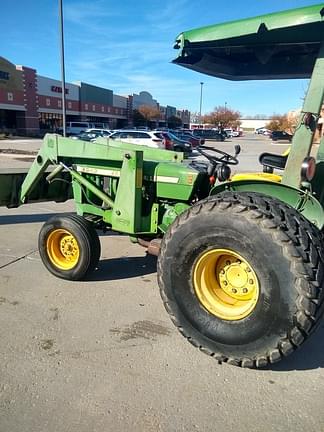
(274,46)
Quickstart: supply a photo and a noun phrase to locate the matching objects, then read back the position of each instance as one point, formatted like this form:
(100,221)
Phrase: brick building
(31,104)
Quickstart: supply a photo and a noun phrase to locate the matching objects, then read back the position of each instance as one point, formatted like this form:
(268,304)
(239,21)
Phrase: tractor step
(153,246)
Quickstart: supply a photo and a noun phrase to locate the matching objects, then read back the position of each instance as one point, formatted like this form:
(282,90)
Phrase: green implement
(275,46)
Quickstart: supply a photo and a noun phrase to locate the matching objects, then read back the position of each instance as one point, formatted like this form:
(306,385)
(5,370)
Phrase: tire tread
(298,238)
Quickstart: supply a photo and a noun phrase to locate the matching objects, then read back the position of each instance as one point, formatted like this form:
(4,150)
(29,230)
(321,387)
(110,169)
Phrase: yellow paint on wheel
(225,284)
(62,249)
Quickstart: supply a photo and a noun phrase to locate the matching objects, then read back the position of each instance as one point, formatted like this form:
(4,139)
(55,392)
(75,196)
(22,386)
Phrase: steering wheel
(225,157)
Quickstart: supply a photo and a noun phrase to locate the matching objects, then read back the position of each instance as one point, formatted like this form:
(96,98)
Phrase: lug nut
(234,290)
(245,290)
(251,281)
(225,283)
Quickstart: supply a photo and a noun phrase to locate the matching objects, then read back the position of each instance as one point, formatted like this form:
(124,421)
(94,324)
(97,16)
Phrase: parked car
(195,141)
(232,132)
(177,143)
(266,132)
(237,133)
(90,135)
(75,128)
(155,139)
(229,132)
(100,132)
(260,131)
(209,134)
(146,138)
(280,135)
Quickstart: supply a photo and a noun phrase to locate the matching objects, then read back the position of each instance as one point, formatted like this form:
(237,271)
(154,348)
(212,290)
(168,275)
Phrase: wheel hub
(234,277)
(68,247)
(225,284)
(62,249)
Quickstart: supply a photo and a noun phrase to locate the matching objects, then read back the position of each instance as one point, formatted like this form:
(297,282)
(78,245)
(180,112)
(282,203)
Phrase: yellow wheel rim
(225,284)
(62,249)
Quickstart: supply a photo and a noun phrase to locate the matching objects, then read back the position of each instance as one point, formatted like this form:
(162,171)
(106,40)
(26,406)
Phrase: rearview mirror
(237,149)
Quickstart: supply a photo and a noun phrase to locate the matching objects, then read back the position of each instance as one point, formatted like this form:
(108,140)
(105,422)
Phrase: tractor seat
(257,177)
(271,161)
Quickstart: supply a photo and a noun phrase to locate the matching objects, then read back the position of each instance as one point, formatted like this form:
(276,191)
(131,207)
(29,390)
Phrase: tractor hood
(275,46)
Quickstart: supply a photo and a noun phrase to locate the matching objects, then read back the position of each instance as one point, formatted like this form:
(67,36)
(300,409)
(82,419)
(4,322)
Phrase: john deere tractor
(240,258)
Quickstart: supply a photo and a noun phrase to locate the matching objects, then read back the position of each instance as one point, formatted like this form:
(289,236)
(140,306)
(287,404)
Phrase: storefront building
(31,104)
(50,103)
(18,98)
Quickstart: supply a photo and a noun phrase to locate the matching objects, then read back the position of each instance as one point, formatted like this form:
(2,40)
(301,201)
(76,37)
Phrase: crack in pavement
(18,259)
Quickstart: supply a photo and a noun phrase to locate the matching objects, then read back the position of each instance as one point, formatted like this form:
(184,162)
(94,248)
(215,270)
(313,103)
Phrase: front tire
(241,276)
(69,247)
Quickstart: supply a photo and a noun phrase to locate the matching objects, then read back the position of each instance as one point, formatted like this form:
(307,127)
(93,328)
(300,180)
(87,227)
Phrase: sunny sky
(127,46)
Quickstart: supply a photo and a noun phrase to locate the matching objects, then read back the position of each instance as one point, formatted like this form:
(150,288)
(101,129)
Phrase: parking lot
(103,355)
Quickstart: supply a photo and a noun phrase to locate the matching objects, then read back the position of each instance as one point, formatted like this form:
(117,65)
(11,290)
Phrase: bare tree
(194,117)
(149,113)
(223,117)
(282,122)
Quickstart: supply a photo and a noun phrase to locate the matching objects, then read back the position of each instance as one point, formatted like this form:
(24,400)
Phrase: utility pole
(62,64)
(225,120)
(201,90)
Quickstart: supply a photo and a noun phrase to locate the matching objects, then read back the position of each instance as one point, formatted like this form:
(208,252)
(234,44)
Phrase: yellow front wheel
(69,247)
(63,249)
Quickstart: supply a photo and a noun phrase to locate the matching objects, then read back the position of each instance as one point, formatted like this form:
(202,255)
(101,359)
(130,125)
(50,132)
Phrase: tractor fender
(301,200)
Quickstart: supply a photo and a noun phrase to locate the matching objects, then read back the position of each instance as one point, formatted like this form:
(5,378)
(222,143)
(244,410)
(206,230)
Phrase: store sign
(4,75)
(57,89)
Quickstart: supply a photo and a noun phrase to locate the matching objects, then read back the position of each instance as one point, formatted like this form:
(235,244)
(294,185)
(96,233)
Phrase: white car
(229,132)
(101,132)
(147,138)
(235,133)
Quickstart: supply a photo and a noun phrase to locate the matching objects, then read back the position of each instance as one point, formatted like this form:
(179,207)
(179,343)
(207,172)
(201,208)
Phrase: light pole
(200,105)
(225,121)
(62,64)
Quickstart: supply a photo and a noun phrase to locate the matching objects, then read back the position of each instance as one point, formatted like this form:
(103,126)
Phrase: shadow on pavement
(309,356)
(27,218)
(124,268)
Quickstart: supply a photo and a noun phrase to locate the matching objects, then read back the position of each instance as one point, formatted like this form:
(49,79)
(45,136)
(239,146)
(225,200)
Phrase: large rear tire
(241,276)
(69,247)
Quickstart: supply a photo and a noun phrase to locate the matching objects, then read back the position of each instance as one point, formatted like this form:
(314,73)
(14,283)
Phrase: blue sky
(127,46)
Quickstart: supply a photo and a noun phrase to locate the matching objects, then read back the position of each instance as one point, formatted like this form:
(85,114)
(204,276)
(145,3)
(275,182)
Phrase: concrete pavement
(102,355)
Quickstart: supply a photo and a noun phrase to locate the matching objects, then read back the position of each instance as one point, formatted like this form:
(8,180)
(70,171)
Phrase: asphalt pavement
(103,355)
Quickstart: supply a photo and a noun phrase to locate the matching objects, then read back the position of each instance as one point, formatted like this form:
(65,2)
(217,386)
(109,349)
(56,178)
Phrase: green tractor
(240,259)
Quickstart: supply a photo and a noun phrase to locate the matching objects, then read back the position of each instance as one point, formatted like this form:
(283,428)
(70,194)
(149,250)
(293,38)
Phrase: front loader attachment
(11,181)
